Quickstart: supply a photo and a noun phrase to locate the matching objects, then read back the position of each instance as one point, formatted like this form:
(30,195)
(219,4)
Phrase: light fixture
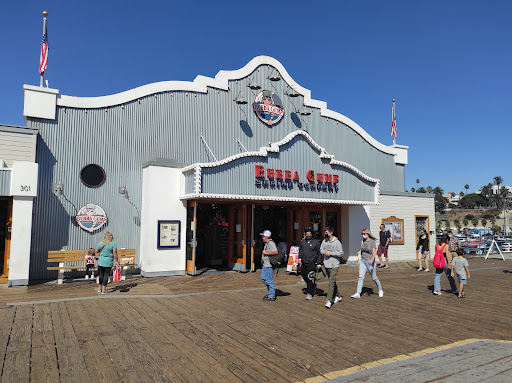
(292,93)
(274,76)
(305,111)
(124,192)
(240,100)
(254,85)
(58,189)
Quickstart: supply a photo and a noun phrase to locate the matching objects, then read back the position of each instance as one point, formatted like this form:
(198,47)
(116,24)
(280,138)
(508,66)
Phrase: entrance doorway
(222,235)
(5,236)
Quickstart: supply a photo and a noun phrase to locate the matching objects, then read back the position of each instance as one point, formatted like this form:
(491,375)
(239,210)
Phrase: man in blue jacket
(310,259)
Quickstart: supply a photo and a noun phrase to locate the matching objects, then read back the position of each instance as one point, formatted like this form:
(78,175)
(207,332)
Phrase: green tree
(466,187)
(471,201)
(495,229)
(458,226)
(461,194)
(492,220)
(465,222)
(447,225)
(440,202)
(474,221)
(484,222)
(418,181)
(421,189)
(438,191)
(429,189)
(413,190)
(497,180)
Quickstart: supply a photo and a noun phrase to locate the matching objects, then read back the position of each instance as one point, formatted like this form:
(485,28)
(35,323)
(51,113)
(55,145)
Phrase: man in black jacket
(310,259)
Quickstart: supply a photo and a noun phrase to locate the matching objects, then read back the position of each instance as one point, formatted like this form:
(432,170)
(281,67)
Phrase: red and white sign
(91,217)
(293,259)
(268,107)
(282,178)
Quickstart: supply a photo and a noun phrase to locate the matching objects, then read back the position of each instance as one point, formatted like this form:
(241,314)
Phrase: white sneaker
(309,297)
(328,304)
(86,277)
(356,296)
(381,293)
(437,292)
(337,299)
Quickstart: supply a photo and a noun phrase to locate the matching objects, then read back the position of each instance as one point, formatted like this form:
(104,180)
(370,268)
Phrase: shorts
(382,250)
(423,253)
(463,281)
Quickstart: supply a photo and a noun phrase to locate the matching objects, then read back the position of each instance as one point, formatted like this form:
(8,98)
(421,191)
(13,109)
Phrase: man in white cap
(267,273)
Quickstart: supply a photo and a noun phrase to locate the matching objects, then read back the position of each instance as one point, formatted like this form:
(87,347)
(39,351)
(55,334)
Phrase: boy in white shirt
(461,267)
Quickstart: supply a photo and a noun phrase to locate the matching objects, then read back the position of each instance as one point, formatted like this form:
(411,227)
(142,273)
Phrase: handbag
(117,275)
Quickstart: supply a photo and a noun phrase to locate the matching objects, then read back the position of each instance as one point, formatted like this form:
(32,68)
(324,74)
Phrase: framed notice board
(169,234)
(395,226)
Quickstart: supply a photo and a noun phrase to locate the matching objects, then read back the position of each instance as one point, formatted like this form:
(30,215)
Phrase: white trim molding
(263,152)
(221,81)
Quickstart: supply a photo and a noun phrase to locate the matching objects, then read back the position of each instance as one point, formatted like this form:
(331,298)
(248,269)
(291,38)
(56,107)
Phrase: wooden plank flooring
(216,328)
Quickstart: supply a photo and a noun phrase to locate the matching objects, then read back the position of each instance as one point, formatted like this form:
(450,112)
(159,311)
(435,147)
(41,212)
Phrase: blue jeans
(267,277)
(437,278)
(364,265)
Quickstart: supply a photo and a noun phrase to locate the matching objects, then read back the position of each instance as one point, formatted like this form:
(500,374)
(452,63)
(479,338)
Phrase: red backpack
(438,260)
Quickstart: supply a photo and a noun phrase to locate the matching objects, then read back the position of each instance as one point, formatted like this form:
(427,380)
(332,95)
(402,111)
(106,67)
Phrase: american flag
(393,122)
(43,59)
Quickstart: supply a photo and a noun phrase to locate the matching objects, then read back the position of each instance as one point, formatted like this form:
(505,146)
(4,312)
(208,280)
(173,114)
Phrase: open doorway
(273,218)
(5,236)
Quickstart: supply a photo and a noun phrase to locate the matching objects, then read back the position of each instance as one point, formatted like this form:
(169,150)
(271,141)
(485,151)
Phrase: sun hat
(266,233)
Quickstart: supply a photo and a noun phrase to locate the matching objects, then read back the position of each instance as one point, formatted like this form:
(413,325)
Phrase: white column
(21,236)
(354,219)
(160,201)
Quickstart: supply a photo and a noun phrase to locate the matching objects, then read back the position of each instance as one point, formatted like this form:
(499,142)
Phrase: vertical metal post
(44,31)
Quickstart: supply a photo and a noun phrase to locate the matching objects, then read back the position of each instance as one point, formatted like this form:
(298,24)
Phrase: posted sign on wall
(24,179)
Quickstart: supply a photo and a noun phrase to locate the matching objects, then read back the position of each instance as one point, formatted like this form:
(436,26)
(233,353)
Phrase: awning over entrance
(295,169)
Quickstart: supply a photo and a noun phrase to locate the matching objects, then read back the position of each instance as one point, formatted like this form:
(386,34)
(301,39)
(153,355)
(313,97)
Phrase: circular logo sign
(91,217)
(268,107)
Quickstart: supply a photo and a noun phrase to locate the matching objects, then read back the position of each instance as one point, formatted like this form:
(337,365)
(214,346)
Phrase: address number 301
(25,188)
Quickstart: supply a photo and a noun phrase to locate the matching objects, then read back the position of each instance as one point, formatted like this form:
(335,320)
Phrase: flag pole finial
(45,13)
(393,100)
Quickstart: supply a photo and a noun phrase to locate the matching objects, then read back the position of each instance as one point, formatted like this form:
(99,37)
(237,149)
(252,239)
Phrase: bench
(64,258)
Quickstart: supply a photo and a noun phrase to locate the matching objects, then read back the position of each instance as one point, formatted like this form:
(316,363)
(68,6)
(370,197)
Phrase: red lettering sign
(334,179)
(319,177)
(310,175)
(270,173)
(279,174)
(260,171)
(296,176)
(287,175)
(328,178)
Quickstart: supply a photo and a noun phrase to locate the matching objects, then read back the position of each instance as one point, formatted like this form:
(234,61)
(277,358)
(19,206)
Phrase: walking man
(384,239)
(310,258)
(332,251)
(267,273)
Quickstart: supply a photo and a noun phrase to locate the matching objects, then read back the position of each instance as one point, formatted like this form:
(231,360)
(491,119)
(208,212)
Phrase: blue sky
(447,63)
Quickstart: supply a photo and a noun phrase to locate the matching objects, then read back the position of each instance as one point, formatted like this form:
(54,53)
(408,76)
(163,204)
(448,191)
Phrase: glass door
(191,238)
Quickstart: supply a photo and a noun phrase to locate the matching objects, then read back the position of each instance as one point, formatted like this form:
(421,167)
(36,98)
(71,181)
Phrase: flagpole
(394,119)
(44,31)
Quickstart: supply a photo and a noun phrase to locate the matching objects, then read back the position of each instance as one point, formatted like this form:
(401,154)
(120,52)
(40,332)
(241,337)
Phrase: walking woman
(107,250)
(422,249)
(367,262)
(443,247)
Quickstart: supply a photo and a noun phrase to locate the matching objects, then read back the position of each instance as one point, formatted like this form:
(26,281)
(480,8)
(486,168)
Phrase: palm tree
(418,181)
(437,190)
(413,190)
(484,222)
(497,180)
(466,187)
(492,221)
(421,189)
(429,189)
(465,222)
(474,221)
(461,194)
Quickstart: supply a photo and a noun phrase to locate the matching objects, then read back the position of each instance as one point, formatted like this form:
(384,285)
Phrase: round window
(93,175)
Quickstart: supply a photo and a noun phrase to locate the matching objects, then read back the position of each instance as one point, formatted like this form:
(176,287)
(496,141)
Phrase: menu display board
(395,226)
(169,234)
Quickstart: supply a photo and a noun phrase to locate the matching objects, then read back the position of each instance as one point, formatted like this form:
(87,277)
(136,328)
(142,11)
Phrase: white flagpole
(44,31)
(394,120)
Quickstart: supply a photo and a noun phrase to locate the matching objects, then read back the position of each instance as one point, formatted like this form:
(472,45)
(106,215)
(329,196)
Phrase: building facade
(189,173)
(18,187)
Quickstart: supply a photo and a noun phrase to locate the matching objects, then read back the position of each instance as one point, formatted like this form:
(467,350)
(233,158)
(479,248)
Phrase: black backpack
(278,260)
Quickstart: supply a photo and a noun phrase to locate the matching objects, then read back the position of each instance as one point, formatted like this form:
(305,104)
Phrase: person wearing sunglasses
(366,262)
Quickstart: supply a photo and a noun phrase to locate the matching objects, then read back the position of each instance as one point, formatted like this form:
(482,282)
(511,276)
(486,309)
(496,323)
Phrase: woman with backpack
(443,262)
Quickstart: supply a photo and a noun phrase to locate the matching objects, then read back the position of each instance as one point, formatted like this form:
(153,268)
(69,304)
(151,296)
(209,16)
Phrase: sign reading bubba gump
(286,179)
(91,217)
(268,107)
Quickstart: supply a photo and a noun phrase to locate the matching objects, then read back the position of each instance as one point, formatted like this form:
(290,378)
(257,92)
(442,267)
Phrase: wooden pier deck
(216,328)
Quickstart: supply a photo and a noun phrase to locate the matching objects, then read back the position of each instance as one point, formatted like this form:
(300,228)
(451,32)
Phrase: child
(461,267)
(89,264)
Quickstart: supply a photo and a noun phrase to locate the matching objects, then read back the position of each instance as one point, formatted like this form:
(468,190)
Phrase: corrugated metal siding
(165,125)
(189,182)
(17,147)
(238,177)
(5,182)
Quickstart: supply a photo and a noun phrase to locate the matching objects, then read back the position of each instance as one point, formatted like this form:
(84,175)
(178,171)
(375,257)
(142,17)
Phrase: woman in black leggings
(107,251)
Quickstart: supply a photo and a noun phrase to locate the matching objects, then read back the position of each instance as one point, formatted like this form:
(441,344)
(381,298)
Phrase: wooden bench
(126,259)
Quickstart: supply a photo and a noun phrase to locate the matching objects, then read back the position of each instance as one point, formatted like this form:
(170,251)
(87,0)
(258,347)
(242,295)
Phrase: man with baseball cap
(267,273)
